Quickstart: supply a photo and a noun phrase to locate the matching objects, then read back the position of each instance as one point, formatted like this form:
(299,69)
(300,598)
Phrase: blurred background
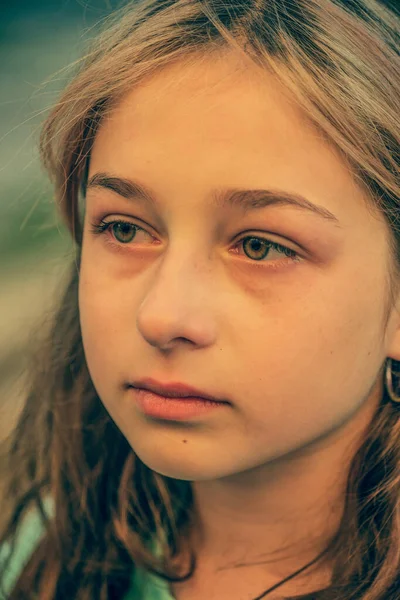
(38,40)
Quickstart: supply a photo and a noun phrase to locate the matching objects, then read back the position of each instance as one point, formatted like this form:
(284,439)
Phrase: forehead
(216,122)
(217,100)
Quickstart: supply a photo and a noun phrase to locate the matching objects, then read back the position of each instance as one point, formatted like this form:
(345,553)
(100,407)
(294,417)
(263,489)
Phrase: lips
(175,390)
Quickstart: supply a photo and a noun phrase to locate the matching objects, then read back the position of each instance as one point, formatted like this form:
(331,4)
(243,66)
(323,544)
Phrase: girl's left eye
(260,247)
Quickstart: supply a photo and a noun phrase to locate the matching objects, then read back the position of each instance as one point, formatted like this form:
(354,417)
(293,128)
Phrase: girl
(215,411)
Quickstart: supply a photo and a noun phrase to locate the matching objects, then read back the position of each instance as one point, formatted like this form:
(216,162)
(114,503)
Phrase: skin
(297,349)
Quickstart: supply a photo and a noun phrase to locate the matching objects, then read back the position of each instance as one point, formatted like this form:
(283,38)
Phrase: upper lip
(174,390)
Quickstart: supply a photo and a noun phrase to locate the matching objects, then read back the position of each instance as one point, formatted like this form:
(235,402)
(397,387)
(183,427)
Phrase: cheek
(97,314)
(306,364)
(107,309)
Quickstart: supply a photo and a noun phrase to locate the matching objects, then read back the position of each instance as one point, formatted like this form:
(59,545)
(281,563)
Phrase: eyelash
(102,227)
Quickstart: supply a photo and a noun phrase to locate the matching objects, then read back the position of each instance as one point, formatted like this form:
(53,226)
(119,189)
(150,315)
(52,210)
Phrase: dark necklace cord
(274,587)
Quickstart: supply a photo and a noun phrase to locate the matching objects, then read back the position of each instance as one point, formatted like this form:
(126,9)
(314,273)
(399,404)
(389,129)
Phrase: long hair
(340,60)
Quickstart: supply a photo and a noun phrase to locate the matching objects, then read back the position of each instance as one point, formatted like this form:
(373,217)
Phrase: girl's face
(292,338)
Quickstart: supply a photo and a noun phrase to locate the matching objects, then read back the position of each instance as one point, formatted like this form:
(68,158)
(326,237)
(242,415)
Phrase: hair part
(339,61)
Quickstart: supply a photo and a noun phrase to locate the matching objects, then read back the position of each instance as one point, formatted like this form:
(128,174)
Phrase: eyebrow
(245,199)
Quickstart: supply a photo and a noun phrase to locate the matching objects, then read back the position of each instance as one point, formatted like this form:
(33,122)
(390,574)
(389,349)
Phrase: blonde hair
(340,61)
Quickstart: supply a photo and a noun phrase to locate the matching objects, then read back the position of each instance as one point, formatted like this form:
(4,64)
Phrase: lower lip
(174,409)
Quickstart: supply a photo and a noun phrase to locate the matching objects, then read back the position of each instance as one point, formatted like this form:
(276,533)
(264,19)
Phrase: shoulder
(146,585)
(143,584)
(27,537)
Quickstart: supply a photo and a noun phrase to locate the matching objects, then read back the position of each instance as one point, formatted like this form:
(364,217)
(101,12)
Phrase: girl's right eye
(124,231)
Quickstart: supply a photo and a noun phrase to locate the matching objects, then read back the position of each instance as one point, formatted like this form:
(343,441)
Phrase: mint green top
(144,585)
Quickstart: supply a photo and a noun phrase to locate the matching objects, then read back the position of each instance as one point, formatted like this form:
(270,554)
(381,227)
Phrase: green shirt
(144,585)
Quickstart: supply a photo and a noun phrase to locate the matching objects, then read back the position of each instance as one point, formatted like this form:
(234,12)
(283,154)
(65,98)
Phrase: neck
(279,516)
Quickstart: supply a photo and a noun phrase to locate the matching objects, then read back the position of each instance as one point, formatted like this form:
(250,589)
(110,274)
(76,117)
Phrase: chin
(176,469)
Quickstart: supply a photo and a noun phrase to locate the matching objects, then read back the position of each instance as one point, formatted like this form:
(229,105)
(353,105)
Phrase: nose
(177,306)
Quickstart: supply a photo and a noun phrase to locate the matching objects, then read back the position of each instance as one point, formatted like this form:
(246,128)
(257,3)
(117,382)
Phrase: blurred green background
(38,40)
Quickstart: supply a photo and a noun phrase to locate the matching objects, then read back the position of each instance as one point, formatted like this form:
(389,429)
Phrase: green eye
(258,248)
(127,231)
